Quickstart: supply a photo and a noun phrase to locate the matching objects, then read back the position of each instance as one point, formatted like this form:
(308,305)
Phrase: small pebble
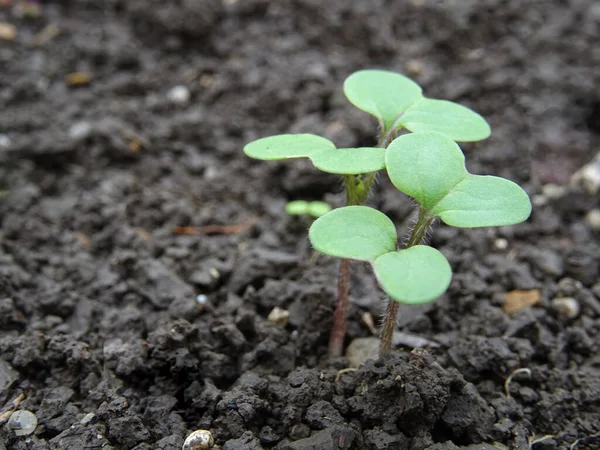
(4,140)
(592,218)
(539,200)
(414,67)
(201,299)
(23,422)
(553,191)
(362,349)
(567,307)
(8,32)
(79,131)
(179,95)
(199,439)
(211,172)
(588,177)
(87,418)
(279,316)
(78,78)
(500,244)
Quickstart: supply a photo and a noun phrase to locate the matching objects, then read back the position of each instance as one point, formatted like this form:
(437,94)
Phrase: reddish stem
(387,330)
(389,321)
(340,317)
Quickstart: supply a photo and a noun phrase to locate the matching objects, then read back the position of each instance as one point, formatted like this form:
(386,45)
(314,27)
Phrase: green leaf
(414,276)
(425,166)
(318,209)
(398,102)
(350,161)
(455,121)
(353,232)
(481,201)
(322,153)
(297,208)
(302,207)
(285,146)
(386,95)
(430,167)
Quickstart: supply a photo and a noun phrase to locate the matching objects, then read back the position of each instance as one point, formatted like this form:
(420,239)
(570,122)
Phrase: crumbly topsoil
(102,333)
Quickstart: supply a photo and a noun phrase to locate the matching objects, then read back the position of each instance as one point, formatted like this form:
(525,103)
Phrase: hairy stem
(389,321)
(387,330)
(357,189)
(355,195)
(340,317)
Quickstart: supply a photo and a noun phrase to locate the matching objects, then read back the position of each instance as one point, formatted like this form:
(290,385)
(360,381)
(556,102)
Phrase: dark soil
(98,295)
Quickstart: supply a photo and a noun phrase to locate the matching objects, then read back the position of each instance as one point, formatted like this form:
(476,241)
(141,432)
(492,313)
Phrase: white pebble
(201,299)
(501,244)
(22,422)
(199,439)
(539,200)
(567,307)
(593,219)
(4,140)
(553,191)
(87,418)
(80,131)
(588,177)
(279,316)
(180,95)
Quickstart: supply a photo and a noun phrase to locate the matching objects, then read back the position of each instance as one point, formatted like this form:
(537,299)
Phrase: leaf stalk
(389,321)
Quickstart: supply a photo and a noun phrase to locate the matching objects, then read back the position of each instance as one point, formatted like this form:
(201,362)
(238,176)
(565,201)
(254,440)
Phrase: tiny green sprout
(304,208)
(427,165)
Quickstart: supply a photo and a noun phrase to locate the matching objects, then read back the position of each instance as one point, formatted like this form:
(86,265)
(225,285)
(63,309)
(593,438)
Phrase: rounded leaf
(350,161)
(283,146)
(455,121)
(430,167)
(318,209)
(353,232)
(297,207)
(413,276)
(483,201)
(385,95)
(425,166)
(322,153)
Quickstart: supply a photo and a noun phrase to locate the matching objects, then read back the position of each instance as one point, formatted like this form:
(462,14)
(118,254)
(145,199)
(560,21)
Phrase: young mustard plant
(398,104)
(429,167)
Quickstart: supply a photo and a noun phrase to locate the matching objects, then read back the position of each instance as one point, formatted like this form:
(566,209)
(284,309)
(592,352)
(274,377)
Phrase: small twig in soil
(533,440)
(4,416)
(412,340)
(217,229)
(510,377)
(343,371)
(578,441)
(367,319)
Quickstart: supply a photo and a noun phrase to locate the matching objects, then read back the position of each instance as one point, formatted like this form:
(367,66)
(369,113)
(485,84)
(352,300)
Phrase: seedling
(312,209)
(427,165)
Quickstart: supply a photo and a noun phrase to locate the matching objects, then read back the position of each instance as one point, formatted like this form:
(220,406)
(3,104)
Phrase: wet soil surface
(122,120)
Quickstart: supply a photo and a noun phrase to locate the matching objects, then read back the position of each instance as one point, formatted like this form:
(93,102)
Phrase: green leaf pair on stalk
(427,165)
